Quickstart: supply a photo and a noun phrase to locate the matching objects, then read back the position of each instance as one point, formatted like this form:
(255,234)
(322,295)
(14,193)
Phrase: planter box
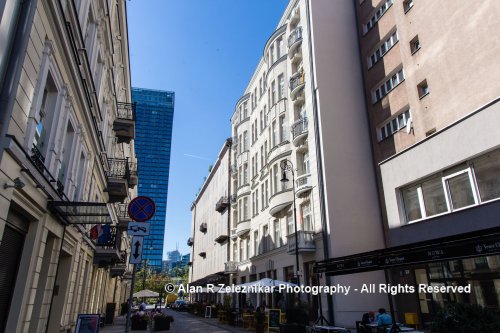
(162,325)
(139,326)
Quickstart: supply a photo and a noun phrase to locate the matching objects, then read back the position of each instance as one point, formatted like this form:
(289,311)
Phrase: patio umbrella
(146,293)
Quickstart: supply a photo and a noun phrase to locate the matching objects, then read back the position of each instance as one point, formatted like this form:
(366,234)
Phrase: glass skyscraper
(153,138)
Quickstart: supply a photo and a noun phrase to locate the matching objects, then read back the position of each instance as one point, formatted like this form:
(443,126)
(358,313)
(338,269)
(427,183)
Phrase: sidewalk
(183,323)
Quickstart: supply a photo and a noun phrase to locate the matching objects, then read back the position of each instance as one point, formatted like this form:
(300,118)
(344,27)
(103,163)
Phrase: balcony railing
(203,227)
(296,80)
(299,128)
(295,36)
(126,110)
(124,124)
(222,204)
(118,168)
(305,239)
(190,241)
(303,184)
(231,267)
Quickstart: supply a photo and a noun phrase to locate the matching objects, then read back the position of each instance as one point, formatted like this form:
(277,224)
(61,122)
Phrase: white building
(304,105)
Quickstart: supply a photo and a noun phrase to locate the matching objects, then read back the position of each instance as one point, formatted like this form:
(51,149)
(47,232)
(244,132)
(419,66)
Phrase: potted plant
(161,322)
(466,318)
(139,321)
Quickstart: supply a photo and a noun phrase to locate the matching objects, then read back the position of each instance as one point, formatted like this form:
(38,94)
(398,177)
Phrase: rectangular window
(277,233)
(282,129)
(407,5)
(281,90)
(378,14)
(386,45)
(274,129)
(487,172)
(256,243)
(414,44)
(387,86)
(306,217)
(265,243)
(290,225)
(423,89)
(394,124)
(465,185)
(273,94)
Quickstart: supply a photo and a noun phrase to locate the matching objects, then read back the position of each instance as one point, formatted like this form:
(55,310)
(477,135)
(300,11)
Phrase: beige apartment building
(67,162)
(432,97)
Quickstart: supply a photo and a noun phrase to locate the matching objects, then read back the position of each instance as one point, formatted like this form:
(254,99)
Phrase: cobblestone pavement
(183,323)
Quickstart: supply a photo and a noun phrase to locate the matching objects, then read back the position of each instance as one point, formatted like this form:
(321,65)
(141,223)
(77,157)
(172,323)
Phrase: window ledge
(427,93)
(416,50)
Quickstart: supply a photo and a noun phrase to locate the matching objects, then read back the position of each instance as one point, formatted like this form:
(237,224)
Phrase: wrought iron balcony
(123,217)
(124,124)
(107,245)
(222,204)
(294,40)
(203,227)
(190,241)
(296,83)
(231,267)
(305,240)
(118,177)
(120,266)
(299,130)
(39,162)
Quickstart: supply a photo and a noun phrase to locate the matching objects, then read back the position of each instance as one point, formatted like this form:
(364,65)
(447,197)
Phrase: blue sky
(205,51)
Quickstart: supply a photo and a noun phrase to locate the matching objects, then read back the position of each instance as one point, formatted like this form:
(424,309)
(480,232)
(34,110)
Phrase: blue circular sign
(141,209)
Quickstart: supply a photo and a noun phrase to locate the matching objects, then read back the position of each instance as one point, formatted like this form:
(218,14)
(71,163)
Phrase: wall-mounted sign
(141,209)
(138,229)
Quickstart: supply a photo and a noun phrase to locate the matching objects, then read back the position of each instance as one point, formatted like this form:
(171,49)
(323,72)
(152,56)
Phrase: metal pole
(131,299)
(296,235)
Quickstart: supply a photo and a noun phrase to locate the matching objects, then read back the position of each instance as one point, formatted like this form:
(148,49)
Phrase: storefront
(466,260)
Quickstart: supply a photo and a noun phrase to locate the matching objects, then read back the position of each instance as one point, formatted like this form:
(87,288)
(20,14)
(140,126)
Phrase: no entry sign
(141,209)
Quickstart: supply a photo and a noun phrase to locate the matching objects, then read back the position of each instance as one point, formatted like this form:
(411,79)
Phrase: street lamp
(287,165)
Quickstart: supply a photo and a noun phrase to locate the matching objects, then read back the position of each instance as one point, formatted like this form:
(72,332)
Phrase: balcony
(230,267)
(203,227)
(107,245)
(222,204)
(296,84)
(303,184)
(299,131)
(294,41)
(280,201)
(124,124)
(118,177)
(134,175)
(123,218)
(243,228)
(305,239)
(117,270)
(221,239)
(190,241)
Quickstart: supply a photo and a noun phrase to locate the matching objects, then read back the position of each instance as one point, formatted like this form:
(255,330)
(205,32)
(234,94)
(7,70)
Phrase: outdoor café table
(331,328)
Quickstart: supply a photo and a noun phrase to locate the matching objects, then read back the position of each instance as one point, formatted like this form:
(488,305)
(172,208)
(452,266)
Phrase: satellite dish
(409,125)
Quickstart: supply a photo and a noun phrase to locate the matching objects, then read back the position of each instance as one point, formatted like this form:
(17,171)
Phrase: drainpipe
(319,158)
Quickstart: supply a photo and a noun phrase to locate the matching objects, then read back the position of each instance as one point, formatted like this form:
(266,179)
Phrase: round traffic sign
(141,209)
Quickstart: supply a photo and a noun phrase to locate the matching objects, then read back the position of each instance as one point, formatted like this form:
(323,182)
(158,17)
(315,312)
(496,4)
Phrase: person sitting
(383,318)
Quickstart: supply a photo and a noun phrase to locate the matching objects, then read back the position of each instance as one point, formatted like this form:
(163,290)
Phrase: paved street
(183,323)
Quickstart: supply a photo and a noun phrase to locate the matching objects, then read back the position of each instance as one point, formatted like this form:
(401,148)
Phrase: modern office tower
(66,162)
(432,98)
(154,114)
